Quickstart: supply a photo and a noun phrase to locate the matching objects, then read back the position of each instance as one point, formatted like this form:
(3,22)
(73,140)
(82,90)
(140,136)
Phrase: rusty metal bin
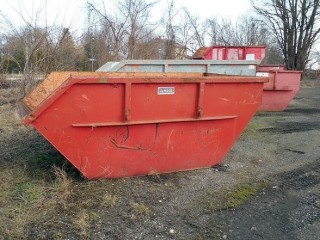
(281,88)
(230,53)
(112,125)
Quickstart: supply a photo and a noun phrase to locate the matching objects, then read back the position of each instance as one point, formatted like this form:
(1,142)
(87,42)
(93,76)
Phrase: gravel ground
(268,187)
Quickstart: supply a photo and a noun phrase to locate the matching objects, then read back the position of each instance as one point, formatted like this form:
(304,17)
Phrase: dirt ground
(268,187)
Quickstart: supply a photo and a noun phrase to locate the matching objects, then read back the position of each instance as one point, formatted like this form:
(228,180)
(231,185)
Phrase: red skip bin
(111,125)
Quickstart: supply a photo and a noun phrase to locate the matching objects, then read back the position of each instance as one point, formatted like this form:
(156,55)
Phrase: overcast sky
(72,13)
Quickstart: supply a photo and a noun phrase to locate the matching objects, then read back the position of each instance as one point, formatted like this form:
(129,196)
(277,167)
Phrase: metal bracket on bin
(200,100)
(127,107)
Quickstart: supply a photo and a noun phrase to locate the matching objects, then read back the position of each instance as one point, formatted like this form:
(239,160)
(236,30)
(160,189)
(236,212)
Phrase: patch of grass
(20,201)
(139,210)
(8,118)
(109,200)
(261,121)
(57,236)
(82,223)
(27,202)
(252,130)
(240,196)
(27,192)
(63,186)
(212,232)
(8,95)
(213,200)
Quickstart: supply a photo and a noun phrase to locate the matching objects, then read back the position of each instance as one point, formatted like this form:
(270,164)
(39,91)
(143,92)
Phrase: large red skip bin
(112,125)
(281,88)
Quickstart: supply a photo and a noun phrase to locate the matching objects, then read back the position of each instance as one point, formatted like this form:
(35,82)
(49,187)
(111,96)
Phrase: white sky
(72,13)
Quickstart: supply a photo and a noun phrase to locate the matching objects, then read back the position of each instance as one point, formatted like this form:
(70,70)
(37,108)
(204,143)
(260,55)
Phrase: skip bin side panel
(287,80)
(257,51)
(163,101)
(243,100)
(95,103)
(154,148)
(281,89)
(276,100)
(116,151)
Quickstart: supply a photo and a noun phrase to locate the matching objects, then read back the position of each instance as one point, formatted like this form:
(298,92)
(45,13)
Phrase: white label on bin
(165,90)
(262,74)
(250,56)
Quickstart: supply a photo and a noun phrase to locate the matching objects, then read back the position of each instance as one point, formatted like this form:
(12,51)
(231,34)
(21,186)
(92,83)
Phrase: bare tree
(213,28)
(36,47)
(295,24)
(199,29)
(138,14)
(126,27)
(252,31)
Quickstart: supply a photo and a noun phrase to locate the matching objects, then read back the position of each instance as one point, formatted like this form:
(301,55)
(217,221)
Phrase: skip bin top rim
(118,65)
(281,71)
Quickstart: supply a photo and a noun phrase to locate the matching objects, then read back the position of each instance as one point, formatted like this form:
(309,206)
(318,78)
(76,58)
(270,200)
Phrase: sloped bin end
(112,125)
(281,89)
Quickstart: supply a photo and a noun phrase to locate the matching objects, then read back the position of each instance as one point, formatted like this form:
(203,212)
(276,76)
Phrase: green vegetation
(212,200)
(240,196)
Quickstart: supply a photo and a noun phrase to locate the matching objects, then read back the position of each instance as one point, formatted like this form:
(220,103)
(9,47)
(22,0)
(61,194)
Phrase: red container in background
(271,67)
(230,53)
(283,85)
(111,125)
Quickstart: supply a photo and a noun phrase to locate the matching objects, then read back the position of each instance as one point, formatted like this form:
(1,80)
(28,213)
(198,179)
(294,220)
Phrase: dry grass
(8,95)
(139,210)
(109,200)
(21,197)
(8,119)
(82,223)
(63,185)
